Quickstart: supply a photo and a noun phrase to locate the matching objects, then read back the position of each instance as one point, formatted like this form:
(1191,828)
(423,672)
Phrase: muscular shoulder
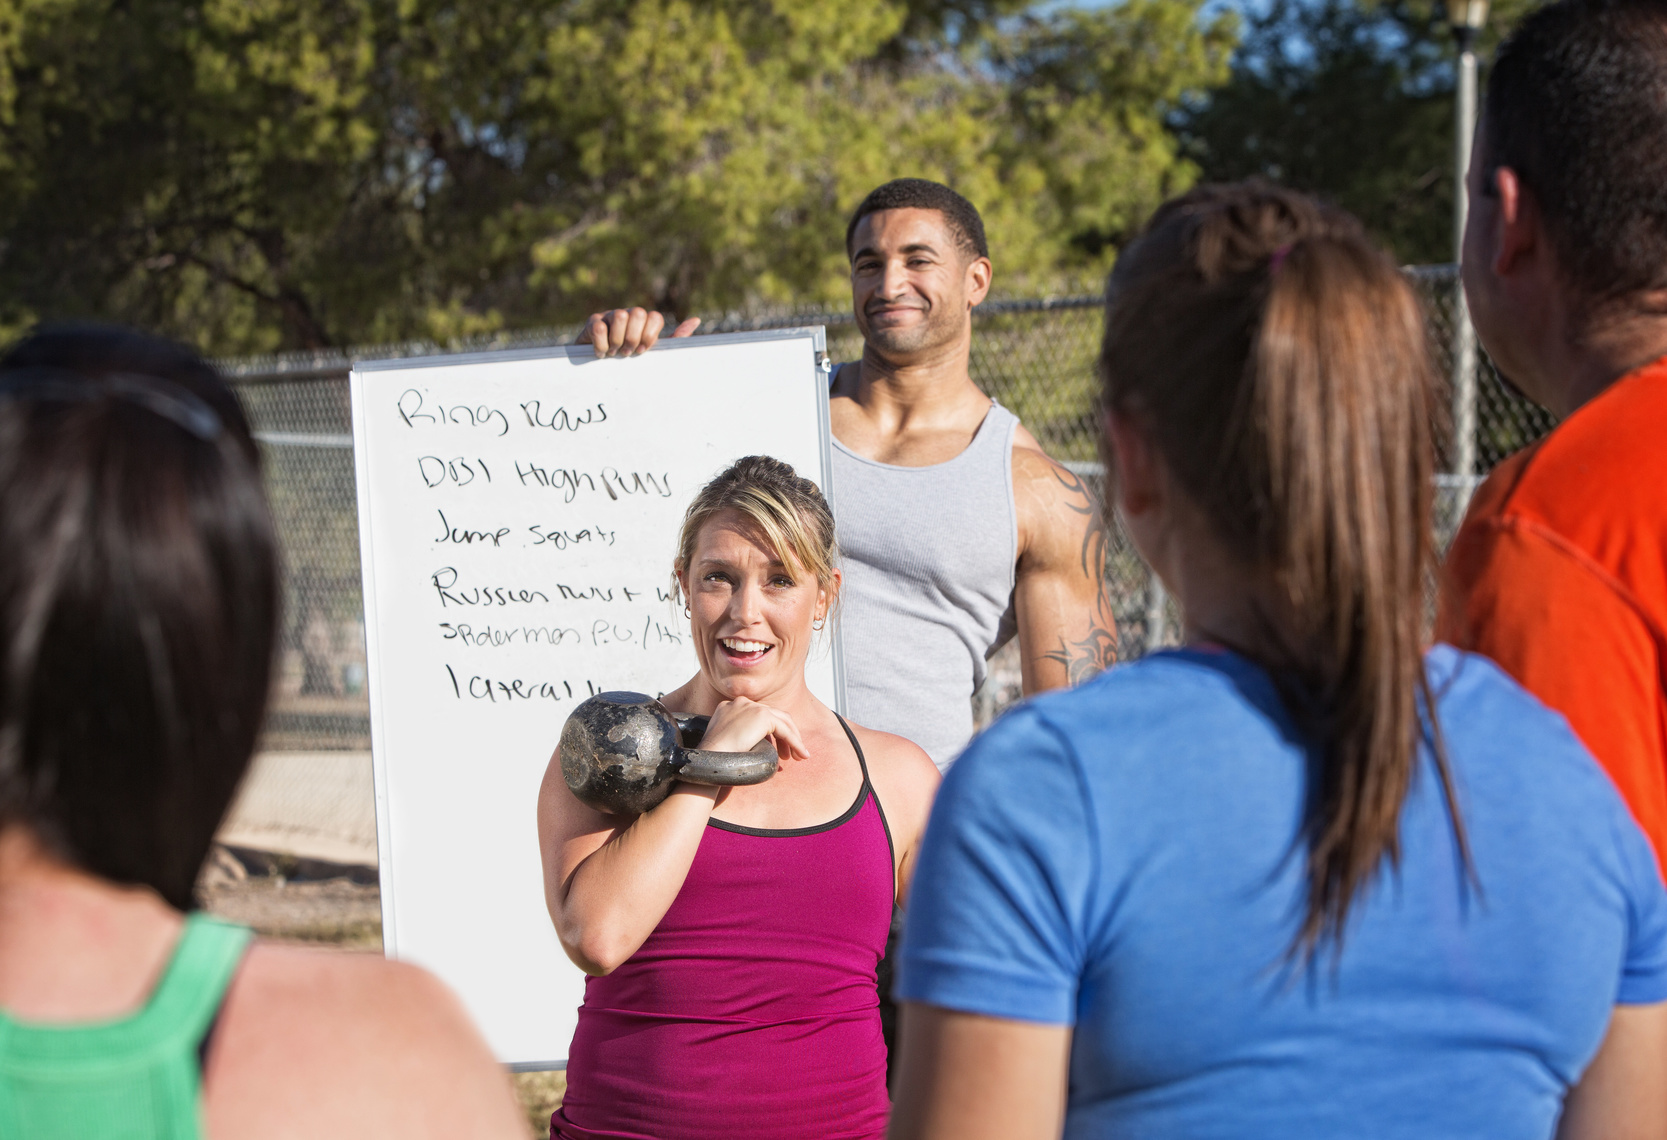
(333,1043)
(1031,462)
(1024,440)
(1056,506)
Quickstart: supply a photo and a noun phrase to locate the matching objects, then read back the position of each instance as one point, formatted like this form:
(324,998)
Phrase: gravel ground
(285,900)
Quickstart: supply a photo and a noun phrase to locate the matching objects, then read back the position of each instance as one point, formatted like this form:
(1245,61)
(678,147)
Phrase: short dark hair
(919,194)
(1577,106)
(138,601)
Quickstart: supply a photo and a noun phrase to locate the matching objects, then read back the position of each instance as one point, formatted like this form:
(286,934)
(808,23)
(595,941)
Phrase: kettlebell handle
(724,769)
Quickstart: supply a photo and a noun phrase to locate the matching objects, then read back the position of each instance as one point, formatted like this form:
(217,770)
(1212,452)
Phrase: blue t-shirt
(1123,858)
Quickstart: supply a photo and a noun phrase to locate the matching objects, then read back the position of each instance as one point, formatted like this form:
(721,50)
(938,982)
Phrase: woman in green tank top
(138,609)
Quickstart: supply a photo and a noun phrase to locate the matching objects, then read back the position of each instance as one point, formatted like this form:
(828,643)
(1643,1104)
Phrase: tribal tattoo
(1098,650)
(1083,502)
(1084,659)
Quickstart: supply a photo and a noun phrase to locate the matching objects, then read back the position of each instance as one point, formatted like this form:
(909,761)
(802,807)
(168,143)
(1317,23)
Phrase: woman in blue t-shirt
(1250,887)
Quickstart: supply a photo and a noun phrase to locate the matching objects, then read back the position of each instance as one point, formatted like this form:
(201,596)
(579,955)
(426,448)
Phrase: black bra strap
(867,791)
(862,760)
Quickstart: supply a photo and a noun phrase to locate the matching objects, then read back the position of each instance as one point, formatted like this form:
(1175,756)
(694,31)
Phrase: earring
(686,612)
(819,623)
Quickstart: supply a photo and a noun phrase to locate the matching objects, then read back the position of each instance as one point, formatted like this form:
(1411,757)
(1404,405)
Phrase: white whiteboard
(518,515)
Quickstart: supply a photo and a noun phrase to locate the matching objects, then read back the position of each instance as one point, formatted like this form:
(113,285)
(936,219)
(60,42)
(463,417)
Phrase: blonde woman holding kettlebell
(732,934)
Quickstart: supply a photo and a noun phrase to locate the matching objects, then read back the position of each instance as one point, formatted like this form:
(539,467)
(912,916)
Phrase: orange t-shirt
(1560,575)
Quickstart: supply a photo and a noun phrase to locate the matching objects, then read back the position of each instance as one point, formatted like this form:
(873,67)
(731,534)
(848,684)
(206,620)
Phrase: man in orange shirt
(1560,570)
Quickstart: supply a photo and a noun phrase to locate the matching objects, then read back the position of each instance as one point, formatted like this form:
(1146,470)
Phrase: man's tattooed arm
(1066,627)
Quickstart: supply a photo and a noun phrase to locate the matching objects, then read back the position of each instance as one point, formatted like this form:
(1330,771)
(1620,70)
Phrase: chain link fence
(1036,357)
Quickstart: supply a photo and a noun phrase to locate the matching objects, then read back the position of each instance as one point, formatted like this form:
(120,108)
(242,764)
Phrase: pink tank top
(752,1010)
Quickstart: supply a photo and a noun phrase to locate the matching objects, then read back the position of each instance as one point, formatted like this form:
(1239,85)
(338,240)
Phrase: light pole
(1467,18)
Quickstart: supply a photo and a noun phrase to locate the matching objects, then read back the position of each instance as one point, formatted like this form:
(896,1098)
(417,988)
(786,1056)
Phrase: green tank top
(135,1079)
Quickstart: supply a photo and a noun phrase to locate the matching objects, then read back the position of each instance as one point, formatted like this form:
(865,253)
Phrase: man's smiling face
(913,286)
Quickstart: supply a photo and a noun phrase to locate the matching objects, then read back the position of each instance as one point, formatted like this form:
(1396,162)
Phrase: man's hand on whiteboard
(739,724)
(629,332)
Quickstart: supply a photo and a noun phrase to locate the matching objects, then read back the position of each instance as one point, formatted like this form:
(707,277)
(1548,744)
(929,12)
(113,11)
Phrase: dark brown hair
(1280,364)
(1577,106)
(138,602)
(960,215)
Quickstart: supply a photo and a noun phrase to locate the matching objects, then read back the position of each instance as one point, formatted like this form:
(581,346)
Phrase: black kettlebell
(620,753)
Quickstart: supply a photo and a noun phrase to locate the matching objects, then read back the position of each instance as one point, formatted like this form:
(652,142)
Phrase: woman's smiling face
(752,613)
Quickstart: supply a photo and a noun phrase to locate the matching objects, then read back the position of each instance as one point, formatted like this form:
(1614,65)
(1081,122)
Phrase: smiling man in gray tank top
(956,530)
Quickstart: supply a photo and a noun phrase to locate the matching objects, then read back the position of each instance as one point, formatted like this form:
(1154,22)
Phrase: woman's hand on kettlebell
(740,724)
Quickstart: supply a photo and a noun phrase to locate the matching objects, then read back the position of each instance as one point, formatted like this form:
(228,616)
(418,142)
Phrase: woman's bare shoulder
(320,1042)
(898,762)
(362,989)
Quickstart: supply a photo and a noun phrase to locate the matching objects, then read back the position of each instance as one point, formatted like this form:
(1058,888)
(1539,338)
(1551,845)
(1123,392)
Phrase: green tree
(264,174)
(1350,99)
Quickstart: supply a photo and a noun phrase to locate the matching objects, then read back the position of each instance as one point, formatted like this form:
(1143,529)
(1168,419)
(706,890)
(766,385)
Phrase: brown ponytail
(1280,363)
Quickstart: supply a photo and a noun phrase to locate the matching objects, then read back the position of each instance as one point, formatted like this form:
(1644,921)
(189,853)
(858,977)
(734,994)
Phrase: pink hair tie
(1278,258)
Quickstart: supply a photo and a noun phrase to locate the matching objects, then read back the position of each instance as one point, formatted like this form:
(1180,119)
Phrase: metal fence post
(1157,605)
(1464,334)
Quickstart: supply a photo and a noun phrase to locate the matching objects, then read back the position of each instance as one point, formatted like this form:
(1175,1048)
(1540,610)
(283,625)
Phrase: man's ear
(1519,234)
(979,274)
(1134,464)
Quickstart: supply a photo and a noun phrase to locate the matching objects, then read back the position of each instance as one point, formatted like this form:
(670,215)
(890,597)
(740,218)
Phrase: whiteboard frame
(821,369)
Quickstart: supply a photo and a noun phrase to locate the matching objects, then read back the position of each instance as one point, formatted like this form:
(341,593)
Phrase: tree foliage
(263,174)
(1351,99)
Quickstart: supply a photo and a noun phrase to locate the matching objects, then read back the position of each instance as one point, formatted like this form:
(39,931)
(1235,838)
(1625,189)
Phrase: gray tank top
(928,555)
